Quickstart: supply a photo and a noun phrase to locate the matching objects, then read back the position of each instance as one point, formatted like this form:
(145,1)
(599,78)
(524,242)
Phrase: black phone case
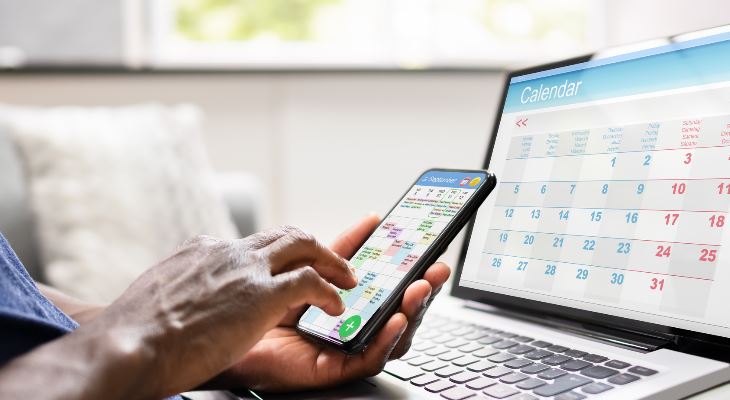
(376,322)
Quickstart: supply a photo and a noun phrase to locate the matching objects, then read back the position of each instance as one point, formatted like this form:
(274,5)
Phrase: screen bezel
(681,339)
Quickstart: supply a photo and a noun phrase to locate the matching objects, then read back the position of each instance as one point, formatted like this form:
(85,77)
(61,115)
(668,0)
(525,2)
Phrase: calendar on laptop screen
(614,188)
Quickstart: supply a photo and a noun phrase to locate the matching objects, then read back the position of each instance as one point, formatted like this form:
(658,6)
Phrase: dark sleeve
(20,334)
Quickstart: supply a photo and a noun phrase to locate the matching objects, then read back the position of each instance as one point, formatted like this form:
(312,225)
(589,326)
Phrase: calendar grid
(607,213)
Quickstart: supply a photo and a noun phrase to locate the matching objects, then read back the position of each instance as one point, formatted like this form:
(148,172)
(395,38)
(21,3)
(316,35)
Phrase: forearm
(84,364)
(79,310)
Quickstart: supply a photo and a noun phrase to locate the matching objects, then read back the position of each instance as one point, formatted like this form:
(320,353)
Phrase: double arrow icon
(521,122)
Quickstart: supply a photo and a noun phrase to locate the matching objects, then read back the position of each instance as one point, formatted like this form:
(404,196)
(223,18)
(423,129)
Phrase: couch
(17,221)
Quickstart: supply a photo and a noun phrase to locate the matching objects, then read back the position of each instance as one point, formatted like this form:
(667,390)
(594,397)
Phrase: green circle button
(349,326)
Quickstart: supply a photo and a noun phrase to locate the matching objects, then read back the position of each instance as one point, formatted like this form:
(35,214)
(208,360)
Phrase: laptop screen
(614,188)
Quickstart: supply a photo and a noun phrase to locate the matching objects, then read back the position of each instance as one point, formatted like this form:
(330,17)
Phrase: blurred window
(371,33)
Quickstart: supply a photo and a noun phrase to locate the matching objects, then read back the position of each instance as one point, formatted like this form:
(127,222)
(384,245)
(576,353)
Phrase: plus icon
(349,326)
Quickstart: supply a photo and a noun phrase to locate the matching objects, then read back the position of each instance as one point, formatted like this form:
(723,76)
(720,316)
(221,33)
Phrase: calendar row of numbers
(684,259)
(689,194)
(657,225)
(551,270)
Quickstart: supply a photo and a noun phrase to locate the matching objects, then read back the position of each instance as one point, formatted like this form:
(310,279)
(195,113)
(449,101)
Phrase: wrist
(121,362)
(87,314)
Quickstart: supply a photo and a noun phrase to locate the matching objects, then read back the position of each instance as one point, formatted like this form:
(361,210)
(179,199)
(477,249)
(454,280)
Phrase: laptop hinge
(628,339)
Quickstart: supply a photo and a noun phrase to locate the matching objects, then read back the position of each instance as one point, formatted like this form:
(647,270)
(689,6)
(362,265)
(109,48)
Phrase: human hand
(203,308)
(284,361)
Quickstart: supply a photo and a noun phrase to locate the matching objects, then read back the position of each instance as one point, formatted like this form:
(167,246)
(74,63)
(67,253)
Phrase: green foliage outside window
(240,20)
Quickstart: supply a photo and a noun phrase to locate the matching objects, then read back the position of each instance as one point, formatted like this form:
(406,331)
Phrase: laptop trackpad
(370,388)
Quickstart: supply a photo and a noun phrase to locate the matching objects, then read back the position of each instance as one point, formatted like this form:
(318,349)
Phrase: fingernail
(403,330)
(424,303)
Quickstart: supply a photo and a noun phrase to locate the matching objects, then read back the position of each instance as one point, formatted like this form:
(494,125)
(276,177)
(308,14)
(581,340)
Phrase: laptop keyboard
(459,360)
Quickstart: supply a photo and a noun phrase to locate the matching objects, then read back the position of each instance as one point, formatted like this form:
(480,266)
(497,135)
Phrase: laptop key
(535,368)
(575,353)
(500,391)
(570,396)
(476,335)
(457,393)
(541,344)
(485,352)
(531,383)
(598,372)
(513,378)
(462,331)
(429,334)
(562,384)
(464,376)
(480,383)
(507,335)
(402,370)
(489,340)
(575,365)
(434,365)
(481,366)
(641,371)
(523,396)
(497,372)
(458,342)
(521,349)
(517,363)
(424,380)
(596,387)
(551,374)
(501,357)
(450,356)
(617,364)
(446,372)
(595,358)
(468,348)
(555,359)
(623,379)
(523,339)
(504,344)
(466,360)
(409,355)
(420,360)
(437,351)
(439,386)
(539,354)
(556,348)
(443,338)
(451,327)
(423,346)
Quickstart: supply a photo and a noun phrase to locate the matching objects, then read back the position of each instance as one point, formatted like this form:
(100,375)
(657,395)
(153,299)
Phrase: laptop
(597,268)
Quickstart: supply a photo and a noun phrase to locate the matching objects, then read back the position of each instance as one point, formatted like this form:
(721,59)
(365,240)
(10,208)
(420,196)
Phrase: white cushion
(114,190)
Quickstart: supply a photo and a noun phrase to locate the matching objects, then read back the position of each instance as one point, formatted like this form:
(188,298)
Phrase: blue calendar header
(690,63)
(452,179)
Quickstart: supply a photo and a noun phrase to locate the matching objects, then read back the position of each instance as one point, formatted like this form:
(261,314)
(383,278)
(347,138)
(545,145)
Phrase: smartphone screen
(397,244)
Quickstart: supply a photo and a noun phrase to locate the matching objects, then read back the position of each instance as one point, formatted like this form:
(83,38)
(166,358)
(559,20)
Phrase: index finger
(297,249)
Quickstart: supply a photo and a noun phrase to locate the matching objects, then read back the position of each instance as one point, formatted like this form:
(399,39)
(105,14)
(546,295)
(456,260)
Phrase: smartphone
(408,240)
